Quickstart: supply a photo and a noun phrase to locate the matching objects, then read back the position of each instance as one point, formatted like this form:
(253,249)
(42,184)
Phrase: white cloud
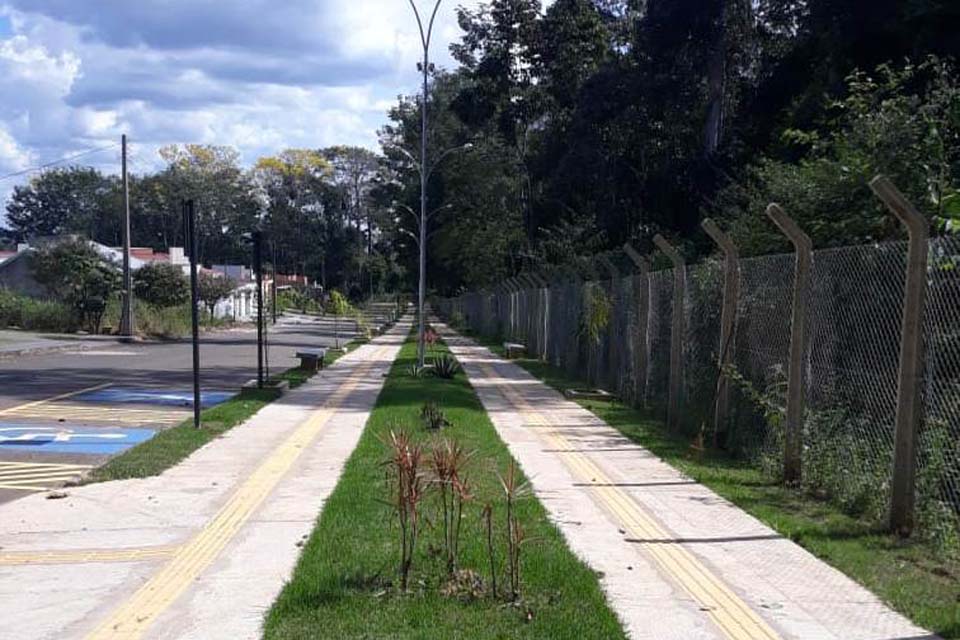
(255,74)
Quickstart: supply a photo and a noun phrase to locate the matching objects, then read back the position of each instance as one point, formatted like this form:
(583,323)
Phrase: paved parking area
(202,550)
(64,413)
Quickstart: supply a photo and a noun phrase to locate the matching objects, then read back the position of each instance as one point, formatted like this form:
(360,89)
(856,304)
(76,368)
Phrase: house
(16,274)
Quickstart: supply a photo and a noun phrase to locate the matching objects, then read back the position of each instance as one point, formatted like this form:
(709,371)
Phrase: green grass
(173,445)
(912,577)
(346,582)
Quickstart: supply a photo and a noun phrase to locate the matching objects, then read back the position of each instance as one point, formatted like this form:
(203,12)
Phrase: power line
(56,162)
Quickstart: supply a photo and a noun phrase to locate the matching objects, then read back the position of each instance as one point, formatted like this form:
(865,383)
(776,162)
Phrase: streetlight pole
(425,70)
(126,309)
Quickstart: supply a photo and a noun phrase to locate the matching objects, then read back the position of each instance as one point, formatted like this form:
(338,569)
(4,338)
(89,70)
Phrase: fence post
(676,328)
(641,292)
(542,285)
(910,373)
(728,324)
(612,352)
(793,439)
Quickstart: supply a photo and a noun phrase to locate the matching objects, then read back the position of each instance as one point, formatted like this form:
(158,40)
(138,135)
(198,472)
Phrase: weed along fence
(838,369)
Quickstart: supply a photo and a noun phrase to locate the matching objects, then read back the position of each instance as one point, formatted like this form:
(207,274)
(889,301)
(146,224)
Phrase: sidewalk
(676,560)
(202,550)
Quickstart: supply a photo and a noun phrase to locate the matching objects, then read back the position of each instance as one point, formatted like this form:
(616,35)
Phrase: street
(65,412)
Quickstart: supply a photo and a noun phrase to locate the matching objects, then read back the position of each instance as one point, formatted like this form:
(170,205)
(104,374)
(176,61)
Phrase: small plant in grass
(514,489)
(433,417)
(417,371)
(430,338)
(446,366)
(406,489)
(448,461)
(487,516)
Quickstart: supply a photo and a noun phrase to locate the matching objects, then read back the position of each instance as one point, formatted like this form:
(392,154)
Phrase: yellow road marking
(25,487)
(727,610)
(37,403)
(73,412)
(33,476)
(40,465)
(79,556)
(27,475)
(134,617)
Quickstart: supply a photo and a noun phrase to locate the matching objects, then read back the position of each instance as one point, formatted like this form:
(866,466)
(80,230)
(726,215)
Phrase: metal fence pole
(676,328)
(728,325)
(910,373)
(612,352)
(641,292)
(793,439)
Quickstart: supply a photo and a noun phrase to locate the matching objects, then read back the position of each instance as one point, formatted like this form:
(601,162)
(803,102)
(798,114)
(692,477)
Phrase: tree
(161,284)
(73,272)
(292,186)
(224,194)
(58,201)
(902,121)
(338,306)
(212,288)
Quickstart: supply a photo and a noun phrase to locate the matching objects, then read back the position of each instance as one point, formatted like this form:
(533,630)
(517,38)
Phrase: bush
(445,366)
(211,289)
(78,276)
(34,315)
(161,284)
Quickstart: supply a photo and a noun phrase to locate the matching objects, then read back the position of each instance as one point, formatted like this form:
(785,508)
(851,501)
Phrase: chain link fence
(850,364)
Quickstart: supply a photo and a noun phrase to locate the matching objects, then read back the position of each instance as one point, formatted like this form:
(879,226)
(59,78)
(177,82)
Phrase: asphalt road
(32,390)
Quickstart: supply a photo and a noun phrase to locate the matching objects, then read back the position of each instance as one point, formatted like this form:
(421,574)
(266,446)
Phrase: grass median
(170,446)
(346,582)
(912,577)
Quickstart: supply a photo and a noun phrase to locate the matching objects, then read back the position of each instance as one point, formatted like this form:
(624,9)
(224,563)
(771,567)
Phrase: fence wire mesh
(850,363)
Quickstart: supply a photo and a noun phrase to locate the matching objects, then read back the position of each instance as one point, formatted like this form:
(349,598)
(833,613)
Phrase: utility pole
(190,230)
(126,312)
(258,271)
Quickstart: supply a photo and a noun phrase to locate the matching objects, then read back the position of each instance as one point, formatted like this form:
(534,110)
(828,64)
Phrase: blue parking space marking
(90,441)
(162,397)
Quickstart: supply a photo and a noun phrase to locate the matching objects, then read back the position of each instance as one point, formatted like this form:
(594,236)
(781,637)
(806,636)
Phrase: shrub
(406,489)
(432,416)
(211,289)
(34,315)
(78,276)
(448,461)
(161,284)
(445,366)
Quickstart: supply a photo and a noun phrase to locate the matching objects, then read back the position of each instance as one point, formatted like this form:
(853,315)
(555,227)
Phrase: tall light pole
(126,306)
(425,70)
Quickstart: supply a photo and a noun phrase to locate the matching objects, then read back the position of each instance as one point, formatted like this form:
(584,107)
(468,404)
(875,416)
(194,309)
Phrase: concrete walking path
(202,550)
(676,560)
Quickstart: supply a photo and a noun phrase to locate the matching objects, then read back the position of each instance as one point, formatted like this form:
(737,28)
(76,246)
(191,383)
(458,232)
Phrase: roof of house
(149,255)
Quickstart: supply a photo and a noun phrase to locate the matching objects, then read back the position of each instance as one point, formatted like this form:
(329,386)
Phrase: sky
(258,75)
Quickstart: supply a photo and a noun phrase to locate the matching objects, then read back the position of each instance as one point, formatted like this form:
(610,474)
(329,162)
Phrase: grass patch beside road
(346,582)
(912,577)
(173,445)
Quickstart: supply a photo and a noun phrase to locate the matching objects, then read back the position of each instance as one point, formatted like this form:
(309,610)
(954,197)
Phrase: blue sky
(260,75)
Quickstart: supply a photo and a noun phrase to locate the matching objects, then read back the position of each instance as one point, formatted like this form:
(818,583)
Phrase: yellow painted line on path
(134,617)
(37,403)
(34,476)
(80,556)
(71,412)
(729,612)
(39,465)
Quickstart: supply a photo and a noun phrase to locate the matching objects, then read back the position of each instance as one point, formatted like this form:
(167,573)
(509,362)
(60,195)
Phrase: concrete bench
(513,349)
(311,359)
